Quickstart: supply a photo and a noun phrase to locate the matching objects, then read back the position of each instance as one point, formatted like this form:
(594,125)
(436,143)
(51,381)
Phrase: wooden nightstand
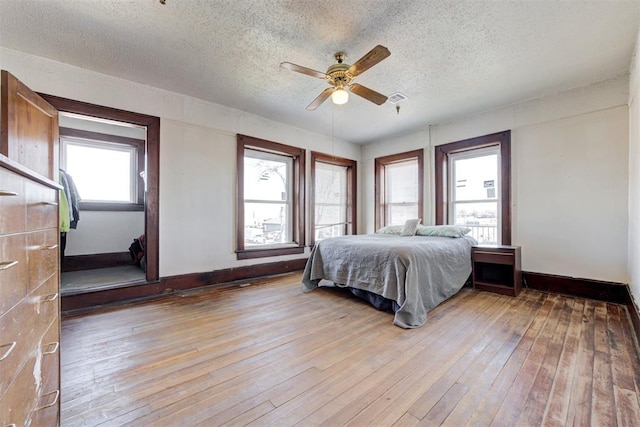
(496,268)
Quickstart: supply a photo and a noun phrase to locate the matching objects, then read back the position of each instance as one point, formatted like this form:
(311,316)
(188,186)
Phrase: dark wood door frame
(152,123)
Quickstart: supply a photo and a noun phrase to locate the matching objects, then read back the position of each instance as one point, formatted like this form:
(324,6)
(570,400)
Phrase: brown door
(29,128)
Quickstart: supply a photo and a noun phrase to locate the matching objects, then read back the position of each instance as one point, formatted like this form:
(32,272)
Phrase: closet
(29,258)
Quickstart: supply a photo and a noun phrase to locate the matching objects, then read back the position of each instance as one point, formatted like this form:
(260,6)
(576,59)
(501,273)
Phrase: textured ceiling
(450,57)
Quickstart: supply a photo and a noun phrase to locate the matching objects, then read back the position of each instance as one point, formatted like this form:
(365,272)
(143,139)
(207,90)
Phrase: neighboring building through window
(333,196)
(398,192)
(106,169)
(270,198)
(473,181)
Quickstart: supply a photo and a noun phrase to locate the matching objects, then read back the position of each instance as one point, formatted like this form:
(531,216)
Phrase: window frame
(87,137)
(352,172)
(442,176)
(297,197)
(380,163)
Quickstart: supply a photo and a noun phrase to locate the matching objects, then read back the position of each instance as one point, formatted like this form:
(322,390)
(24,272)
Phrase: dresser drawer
(42,206)
(43,255)
(21,398)
(13,214)
(17,342)
(13,270)
(26,402)
(493,257)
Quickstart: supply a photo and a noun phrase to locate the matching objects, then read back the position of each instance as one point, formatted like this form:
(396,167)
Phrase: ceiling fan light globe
(340,96)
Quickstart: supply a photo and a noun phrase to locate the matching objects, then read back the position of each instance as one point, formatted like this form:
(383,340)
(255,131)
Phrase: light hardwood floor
(268,354)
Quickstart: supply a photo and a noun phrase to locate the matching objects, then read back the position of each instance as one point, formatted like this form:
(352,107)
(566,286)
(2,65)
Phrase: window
(107,169)
(474,192)
(333,196)
(399,183)
(473,186)
(270,198)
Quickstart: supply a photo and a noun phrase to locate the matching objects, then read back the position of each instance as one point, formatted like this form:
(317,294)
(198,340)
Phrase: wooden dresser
(29,260)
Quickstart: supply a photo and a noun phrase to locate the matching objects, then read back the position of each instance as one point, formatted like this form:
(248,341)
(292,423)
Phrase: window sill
(263,253)
(96,206)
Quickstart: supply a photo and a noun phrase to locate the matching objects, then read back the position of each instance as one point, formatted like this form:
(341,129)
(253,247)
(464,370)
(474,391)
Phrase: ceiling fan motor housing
(337,75)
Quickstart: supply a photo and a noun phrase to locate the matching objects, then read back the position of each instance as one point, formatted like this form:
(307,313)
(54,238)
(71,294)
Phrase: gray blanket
(417,272)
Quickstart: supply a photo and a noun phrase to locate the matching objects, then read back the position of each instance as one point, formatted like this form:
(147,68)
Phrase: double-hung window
(399,183)
(474,192)
(333,196)
(473,186)
(270,198)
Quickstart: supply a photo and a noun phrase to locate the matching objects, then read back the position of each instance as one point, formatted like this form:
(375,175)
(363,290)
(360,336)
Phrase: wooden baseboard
(92,261)
(634,315)
(169,285)
(617,293)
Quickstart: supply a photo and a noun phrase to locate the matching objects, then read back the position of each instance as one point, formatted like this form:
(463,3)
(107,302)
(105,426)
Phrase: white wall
(101,232)
(633,261)
(197,156)
(569,177)
(570,195)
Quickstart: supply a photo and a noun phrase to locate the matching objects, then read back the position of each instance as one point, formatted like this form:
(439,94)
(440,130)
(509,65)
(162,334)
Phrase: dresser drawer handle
(51,348)
(55,400)
(49,203)
(8,193)
(7,265)
(50,298)
(8,351)
(493,253)
(49,247)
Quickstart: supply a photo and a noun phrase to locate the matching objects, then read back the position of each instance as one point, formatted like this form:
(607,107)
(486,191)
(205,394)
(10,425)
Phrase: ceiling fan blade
(374,56)
(320,99)
(303,70)
(368,94)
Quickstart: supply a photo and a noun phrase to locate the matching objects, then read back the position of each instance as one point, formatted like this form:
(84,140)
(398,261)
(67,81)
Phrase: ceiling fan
(341,75)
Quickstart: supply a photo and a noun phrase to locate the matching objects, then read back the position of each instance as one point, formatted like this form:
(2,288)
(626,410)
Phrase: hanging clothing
(63,205)
(73,198)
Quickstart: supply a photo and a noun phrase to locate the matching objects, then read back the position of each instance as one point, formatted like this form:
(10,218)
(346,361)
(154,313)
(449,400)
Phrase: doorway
(72,111)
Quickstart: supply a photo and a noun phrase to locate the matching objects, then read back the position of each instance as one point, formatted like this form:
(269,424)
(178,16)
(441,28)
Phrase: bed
(408,274)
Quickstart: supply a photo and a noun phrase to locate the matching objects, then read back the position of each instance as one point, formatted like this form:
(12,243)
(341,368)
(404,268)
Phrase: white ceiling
(449,57)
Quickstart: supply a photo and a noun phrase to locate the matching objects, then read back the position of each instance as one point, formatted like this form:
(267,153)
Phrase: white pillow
(442,230)
(410,227)
(390,229)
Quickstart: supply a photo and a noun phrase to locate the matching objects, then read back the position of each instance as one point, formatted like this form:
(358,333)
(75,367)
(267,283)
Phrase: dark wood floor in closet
(265,353)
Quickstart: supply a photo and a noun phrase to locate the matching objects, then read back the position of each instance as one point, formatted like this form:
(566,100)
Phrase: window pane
(330,200)
(101,173)
(399,214)
(266,223)
(481,218)
(401,191)
(331,183)
(476,178)
(401,182)
(266,179)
